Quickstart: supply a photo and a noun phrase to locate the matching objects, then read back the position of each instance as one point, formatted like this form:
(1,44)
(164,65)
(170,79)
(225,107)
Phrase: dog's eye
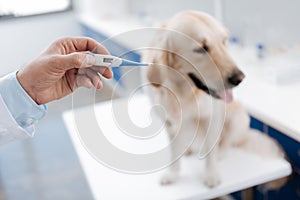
(202,50)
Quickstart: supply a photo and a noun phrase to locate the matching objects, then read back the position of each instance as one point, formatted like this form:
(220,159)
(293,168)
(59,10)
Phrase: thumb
(77,60)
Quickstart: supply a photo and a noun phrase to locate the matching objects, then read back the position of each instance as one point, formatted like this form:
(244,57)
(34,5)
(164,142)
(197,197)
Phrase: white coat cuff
(25,111)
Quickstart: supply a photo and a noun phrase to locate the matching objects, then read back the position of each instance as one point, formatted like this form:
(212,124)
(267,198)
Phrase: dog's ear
(167,57)
(161,61)
(160,58)
(155,75)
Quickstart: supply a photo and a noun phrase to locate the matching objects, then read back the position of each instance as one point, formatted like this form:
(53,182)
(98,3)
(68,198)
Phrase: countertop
(103,132)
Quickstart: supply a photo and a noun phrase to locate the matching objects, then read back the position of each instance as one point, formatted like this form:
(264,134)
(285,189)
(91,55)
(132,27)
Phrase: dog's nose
(236,78)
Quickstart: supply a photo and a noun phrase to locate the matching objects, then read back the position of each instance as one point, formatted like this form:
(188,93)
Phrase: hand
(62,68)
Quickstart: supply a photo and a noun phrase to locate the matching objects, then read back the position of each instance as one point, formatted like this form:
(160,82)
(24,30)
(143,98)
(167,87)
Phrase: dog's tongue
(226,95)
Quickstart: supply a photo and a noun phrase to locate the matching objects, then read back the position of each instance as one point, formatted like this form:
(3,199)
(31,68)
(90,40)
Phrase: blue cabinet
(291,190)
(290,146)
(256,124)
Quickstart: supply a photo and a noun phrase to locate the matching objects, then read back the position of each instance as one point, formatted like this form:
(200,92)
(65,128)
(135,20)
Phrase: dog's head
(194,44)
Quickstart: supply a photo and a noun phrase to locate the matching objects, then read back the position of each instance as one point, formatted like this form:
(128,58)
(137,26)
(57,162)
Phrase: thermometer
(113,61)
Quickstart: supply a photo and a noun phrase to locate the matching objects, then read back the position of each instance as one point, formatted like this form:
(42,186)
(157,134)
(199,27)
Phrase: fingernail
(105,71)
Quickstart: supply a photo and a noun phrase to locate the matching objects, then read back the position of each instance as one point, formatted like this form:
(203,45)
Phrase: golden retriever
(192,76)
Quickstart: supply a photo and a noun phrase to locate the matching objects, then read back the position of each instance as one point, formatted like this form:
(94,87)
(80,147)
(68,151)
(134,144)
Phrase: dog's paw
(168,178)
(212,180)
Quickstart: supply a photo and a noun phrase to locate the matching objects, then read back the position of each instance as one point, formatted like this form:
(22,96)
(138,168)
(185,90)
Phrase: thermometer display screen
(108,60)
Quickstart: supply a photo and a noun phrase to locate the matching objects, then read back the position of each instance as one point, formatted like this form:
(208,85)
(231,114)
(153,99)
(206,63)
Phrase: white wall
(275,23)
(164,9)
(22,39)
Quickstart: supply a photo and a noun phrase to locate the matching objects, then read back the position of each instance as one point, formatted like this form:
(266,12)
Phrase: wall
(275,23)
(165,9)
(153,10)
(22,39)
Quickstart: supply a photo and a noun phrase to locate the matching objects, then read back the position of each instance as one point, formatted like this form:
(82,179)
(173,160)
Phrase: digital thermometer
(113,61)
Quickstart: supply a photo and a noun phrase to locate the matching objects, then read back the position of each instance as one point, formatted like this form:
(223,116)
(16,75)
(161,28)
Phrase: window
(20,8)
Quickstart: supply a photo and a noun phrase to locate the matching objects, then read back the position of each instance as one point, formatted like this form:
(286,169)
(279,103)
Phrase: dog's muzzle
(225,94)
(200,85)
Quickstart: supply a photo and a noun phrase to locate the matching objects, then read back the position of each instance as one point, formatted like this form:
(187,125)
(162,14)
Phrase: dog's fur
(191,54)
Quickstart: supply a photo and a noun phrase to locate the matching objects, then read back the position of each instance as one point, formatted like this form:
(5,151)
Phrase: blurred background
(47,167)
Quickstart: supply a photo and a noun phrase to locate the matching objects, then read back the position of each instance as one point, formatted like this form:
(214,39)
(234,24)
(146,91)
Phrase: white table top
(278,107)
(238,169)
(270,92)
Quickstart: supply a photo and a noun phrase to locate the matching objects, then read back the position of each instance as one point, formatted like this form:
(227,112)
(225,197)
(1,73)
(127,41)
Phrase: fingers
(75,61)
(70,57)
(85,76)
(88,44)
(76,44)
(93,74)
(81,61)
(95,79)
(83,81)
(100,49)
(104,71)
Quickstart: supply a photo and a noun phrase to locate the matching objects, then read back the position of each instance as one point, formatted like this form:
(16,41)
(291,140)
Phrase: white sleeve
(9,128)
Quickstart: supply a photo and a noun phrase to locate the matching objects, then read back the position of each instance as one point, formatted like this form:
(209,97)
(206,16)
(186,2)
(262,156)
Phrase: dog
(192,76)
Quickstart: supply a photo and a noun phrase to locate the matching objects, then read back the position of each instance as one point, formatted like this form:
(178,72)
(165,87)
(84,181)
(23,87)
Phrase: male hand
(62,68)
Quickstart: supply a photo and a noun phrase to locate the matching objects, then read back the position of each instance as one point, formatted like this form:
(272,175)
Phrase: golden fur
(186,106)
